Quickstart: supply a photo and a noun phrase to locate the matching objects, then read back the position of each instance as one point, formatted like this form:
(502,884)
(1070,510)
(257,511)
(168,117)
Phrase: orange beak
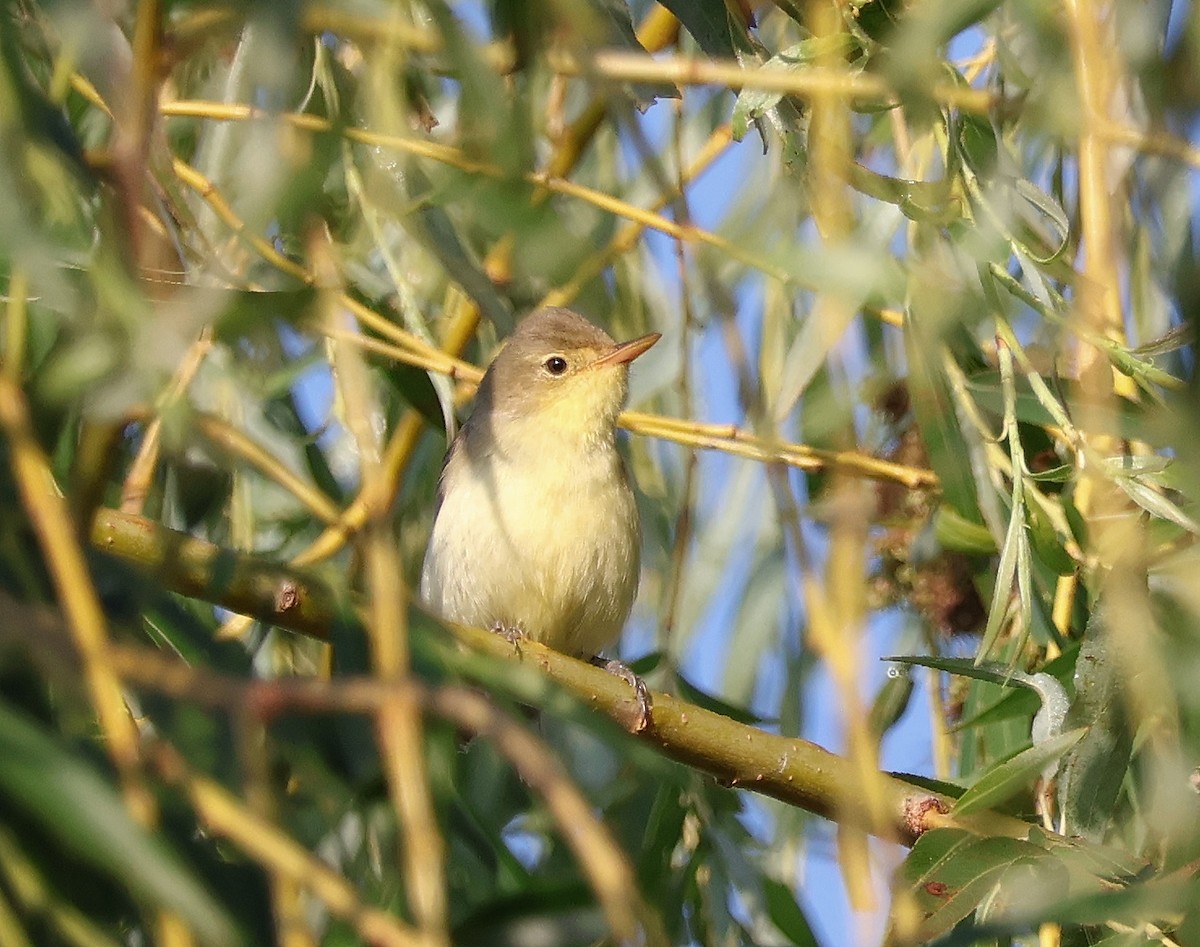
(626,352)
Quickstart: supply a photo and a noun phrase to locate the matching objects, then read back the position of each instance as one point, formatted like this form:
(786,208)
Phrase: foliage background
(926,278)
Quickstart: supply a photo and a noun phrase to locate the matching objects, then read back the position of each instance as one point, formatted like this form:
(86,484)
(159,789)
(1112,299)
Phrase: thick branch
(249,585)
(794,771)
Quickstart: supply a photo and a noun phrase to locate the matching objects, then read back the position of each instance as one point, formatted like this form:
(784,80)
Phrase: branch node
(916,811)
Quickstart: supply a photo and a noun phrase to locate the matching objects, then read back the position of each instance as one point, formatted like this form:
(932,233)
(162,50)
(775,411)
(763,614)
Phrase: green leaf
(787,915)
(950,871)
(1052,211)
(72,802)
(1041,900)
(1157,899)
(245,312)
(708,22)
(1093,772)
(1051,694)
(1013,553)
(618,32)
(927,201)
(1155,503)
(693,694)
(1060,474)
(938,420)
(1022,701)
(1014,775)
(752,104)
(988,671)
(1046,542)
(1120,416)
(891,701)
(961,534)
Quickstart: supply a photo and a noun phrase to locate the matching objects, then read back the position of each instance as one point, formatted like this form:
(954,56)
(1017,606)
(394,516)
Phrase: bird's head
(560,374)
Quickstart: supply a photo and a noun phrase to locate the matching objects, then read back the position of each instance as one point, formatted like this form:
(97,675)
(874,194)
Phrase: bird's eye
(556,364)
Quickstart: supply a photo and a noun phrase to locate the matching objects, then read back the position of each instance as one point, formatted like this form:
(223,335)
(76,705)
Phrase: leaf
(708,22)
(950,871)
(1060,474)
(808,352)
(891,701)
(693,694)
(434,228)
(1014,775)
(1154,900)
(938,420)
(1092,859)
(1022,701)
(752,104)
(1120,416)
(928,783)
(1158,901)
(923,201)
(961,534)
(1053,212)
(1174,339)
(787,915)
(73,803)
(988,671)
(1053,698)
(1046,541)
(1013,553)
(1129,464)
(1155,503)
(245,312)
(620,33)
(1092,773)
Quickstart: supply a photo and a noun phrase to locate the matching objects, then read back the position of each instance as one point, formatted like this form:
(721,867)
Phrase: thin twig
(399,723)
(224,814)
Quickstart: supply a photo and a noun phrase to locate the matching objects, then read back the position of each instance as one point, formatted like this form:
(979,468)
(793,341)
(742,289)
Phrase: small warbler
(536,531)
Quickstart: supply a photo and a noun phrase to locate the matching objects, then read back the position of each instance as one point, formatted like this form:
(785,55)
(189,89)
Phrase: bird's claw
(513,634)
(641,692)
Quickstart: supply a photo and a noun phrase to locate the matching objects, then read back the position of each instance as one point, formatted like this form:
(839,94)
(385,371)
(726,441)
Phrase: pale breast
(550,545)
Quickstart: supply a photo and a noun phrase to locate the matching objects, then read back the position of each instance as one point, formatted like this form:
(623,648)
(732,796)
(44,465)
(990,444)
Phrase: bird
(536,532)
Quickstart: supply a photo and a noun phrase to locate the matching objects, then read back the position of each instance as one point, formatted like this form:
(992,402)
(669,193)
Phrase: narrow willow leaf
(961,534)
(1130,464)
(808,353)
(1126,418)
(752,104)
(1053,212)
(938,421)
(1052,696)
(1021,701)
(891,701)
(989,671)
(1155,503)
(1014,775)
(1092,773)
(1046,541)
(72,802)
(1172,340)
(787,915)
(708,22)
(926,201)
(1060,474)
(950,872)
(1002,593)
(1155,902)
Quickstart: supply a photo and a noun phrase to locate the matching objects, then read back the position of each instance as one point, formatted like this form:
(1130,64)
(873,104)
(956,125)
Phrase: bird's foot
(641,692)
(513,634)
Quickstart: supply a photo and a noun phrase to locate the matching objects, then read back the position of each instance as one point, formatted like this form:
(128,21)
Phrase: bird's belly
(537,553)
